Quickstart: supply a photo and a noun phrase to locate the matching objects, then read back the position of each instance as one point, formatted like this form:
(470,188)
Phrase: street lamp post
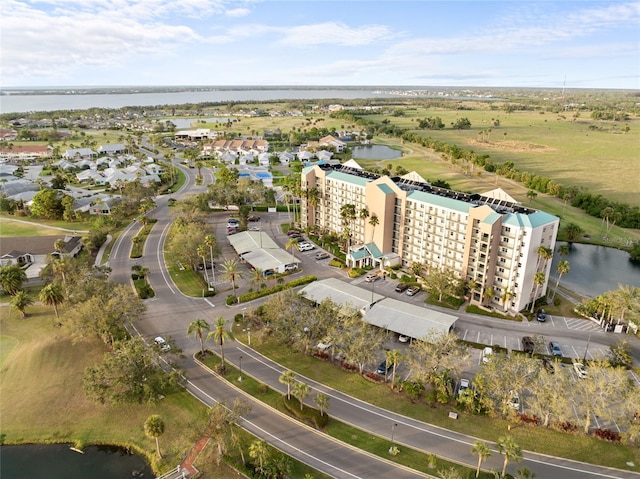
(249,336)
(586,349)
(240,378)
(393,428)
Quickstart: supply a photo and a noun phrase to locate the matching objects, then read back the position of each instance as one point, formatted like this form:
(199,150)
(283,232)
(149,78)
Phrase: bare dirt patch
(510,145)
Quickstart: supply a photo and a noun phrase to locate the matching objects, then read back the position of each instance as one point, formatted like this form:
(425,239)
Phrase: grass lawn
(12,226)
(577,447)
(50,407)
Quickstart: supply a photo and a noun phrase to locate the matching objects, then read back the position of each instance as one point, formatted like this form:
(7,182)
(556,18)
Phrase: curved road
(170,313)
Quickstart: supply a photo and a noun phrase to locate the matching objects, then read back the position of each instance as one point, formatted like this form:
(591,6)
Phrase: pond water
(595,269)
(58,461)
(375,152)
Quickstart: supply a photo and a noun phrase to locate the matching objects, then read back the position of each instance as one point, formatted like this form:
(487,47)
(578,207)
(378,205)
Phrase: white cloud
(332,33)
(237,12)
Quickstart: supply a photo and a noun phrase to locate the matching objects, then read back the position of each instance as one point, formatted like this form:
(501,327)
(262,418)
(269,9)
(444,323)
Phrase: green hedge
(265,292)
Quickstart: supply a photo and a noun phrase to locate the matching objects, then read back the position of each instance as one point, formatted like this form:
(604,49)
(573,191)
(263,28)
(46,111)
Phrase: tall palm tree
(322,401)
(197,328)
(563,250)
(211,242)
(288,377)
(201,251)
(393,359)
(257,278)
(231,272)
(291,245)
(512,452)
(373,221)
(154,428)
(544,253)
(52,295)
(562,268)
(481,449)
(538,279)
(301,390)
(219,334)
(506,295)
(21,301)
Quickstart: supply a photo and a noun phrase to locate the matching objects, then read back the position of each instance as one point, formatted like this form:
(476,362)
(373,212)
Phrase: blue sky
(217,42)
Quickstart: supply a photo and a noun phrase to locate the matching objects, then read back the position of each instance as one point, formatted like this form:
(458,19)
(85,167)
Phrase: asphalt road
(170,313)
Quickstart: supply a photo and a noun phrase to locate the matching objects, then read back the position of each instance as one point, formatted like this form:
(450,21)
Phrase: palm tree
(219,334)
(538,279)
(572,231)
(231,272)
(512,452)
(301,390)
(393,359)
(21,301)
(322,401)
(154,428)
(291,244)
(373,221)
(197,328)
(52,295)
(506,295)
(59,245)
(531,194)
(288,377)
(11,278)
(562,268)
(545,253)
(563,250)
(211,242)
(481,449)
(260,451)
(201,251)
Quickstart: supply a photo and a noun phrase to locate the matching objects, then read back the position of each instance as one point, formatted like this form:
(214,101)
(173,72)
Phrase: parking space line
(465,334)
(575,352)
(551,319)
(478,339)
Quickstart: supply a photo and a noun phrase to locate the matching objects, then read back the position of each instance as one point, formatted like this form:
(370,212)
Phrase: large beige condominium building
(488,242)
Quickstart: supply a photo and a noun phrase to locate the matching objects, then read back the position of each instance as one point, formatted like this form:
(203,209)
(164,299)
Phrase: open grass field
(43,401)
(11,226)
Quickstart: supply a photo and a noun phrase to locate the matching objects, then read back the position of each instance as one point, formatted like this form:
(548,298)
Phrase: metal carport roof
(249,241)
(408,319)
(268,258)
(340,293)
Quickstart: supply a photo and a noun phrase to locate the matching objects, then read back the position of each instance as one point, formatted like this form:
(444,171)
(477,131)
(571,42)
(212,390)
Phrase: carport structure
(261,252)
(344,294)
(408,319)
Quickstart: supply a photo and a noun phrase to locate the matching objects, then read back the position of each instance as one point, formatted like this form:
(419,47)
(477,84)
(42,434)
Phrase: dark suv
(527,344)
(402,287)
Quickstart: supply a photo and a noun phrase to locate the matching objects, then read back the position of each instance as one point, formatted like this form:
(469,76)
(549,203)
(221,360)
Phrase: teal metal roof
(441,201)
(386,189)
(359,254)
(491,218)
(347,178)
(374,250)
(533,220)
(307,169)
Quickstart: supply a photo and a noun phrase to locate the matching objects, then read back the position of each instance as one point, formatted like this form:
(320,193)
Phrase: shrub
(567,426)
(608,435)
(237,317)
(528,418)
(231,299)
(280,287)
(308,414)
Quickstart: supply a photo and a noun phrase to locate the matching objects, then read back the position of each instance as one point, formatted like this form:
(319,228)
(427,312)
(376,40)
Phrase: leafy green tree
(482,450)
(437,352)
(219,334)
(259,451)
(130,374)
(52,295)
(11,278)
(48,204)
(20,302)
(441,282)
(288,377)
(197,328)
(154,428)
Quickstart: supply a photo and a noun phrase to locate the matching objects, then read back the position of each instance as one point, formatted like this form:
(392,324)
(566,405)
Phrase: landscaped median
(379,446)
(246,297)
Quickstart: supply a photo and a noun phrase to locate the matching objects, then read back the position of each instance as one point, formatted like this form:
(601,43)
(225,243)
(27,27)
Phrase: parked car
(402,287)
(290,267)
(371,276)
(268,272)
(253,218)
(304,246)
(162,344)
(514,400)
(403,339)
(579,369)
(293,232)
(486,354)
(464,385)
(555,349)
(383,368)
(413,290)
(322,255)
(232,223)
(324,345)
(541,316)
(528,345)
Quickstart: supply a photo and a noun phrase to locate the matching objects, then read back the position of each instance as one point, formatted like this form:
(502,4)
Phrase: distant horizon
(303,86)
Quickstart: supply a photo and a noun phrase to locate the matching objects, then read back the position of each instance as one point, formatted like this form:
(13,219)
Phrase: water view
(596,269)
(58,461)
(375,152)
